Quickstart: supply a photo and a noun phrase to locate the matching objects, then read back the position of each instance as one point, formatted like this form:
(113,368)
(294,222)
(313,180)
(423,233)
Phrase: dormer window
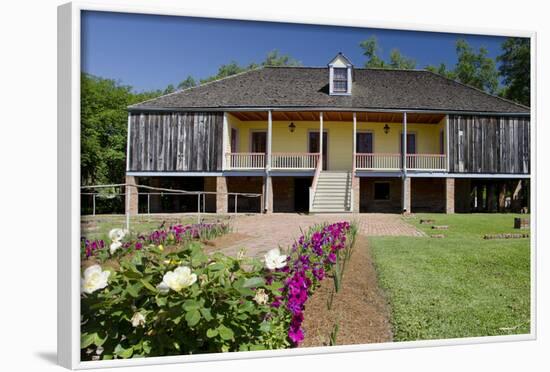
(340,80)
(340,75)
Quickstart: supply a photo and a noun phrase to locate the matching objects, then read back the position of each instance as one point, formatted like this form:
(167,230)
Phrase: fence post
(204,203)
(236,204)
(148,203)
(127,207)
(199,208)
(93,203)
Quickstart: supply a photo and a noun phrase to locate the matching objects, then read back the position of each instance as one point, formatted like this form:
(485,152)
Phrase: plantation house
(331,139)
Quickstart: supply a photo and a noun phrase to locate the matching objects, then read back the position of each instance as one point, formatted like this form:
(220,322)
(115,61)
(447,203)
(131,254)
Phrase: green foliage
(515,68)
(217,313)
(442,70)
(397,60)
(189,82)
(476,68)
(103,127)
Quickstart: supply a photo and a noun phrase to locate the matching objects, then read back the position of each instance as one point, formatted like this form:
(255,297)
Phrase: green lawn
(457,286)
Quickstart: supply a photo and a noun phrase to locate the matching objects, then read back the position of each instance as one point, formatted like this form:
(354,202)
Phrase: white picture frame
(68,135)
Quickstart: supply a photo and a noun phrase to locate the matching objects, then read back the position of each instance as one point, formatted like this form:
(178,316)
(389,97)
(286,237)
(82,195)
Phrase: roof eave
(322,108)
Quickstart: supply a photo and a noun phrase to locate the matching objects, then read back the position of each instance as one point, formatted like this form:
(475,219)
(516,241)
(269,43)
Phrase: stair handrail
(313,186)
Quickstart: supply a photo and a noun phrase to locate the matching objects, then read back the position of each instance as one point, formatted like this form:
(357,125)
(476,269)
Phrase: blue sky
(150,52)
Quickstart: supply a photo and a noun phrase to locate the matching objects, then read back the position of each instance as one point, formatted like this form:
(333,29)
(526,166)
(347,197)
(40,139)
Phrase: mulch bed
(360,307)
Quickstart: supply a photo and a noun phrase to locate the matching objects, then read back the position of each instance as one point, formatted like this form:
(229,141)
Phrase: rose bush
(158,302)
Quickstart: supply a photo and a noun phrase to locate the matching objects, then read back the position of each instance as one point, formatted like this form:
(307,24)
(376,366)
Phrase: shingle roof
(307,87)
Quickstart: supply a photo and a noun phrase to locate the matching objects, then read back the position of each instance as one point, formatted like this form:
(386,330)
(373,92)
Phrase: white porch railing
(378,161)
(426,162)
(433,162)
(246,160)
(298,160)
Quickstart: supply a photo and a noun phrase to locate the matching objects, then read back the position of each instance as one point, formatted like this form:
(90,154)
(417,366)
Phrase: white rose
(178,279)
(114,246)
(261,297)
(94,278)
(117,234)
(274,259)
(138,320)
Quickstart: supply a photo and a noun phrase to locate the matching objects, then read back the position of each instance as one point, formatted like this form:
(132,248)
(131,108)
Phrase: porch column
(406,195)
(447,145)
(449,195)
(404,144)
(268,194)
(321,139)
(131,196)
(221,195)
(354,140)
(225,141)
(269,135)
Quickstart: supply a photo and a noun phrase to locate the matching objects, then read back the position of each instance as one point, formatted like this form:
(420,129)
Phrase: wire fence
(160,203)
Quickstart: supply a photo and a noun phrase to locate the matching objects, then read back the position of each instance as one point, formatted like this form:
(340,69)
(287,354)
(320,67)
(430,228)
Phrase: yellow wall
(340,145)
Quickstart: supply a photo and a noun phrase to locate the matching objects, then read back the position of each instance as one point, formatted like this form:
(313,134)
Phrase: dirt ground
(359,308)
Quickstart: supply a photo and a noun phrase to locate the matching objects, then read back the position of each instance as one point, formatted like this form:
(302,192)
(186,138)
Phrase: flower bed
(160,303)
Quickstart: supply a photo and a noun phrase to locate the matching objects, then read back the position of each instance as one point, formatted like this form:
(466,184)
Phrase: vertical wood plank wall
(489,144)
(179,141)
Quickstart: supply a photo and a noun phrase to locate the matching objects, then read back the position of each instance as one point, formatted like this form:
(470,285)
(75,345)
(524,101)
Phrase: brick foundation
(356,194)
(221,197)
(406,203)
(449,195)
(131,207)
(367,203)
(427,195)
(253,185)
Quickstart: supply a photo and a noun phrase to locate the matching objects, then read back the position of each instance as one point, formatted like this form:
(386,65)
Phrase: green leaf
(190,305)
(254,282)
(86,339)
(206,314)
(192,317)
(216,266)
(133,290)
(161,301)
(256,347)
(225,333)
(265,326)
(211,332)
(148,285)
(122,352)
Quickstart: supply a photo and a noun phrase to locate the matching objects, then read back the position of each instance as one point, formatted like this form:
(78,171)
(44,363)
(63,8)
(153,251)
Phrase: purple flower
(331,258)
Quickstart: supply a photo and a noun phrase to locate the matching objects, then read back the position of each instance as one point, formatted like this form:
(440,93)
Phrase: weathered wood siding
(489,144)
(180,141)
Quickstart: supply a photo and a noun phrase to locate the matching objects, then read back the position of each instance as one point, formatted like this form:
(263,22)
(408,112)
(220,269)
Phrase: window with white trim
(340,80)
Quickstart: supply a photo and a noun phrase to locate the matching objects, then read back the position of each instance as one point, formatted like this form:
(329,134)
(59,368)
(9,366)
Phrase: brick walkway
(264,232)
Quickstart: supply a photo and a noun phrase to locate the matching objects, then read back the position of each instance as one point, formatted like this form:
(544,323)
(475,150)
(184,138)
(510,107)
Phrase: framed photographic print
(236,188)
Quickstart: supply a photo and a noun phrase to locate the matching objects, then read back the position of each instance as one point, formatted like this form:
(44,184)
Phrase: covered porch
(362,141)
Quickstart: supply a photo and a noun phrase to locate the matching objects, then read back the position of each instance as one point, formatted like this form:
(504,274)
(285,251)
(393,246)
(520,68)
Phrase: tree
(189,82)
(475,69)
(397,60)
(400,62)
(370,50)
(273,58)
(229,69)
(515,69)
(103,128)
(169,89)
(442,70)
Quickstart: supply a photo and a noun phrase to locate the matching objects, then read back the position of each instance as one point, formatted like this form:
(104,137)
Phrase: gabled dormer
(340,75)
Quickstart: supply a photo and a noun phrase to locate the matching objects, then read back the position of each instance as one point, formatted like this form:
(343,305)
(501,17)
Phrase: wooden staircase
(332,192)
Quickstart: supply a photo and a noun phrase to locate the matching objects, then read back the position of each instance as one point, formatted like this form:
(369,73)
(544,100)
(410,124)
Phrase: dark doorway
(259,142)
(301,194)
(364,143)
(314,146)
